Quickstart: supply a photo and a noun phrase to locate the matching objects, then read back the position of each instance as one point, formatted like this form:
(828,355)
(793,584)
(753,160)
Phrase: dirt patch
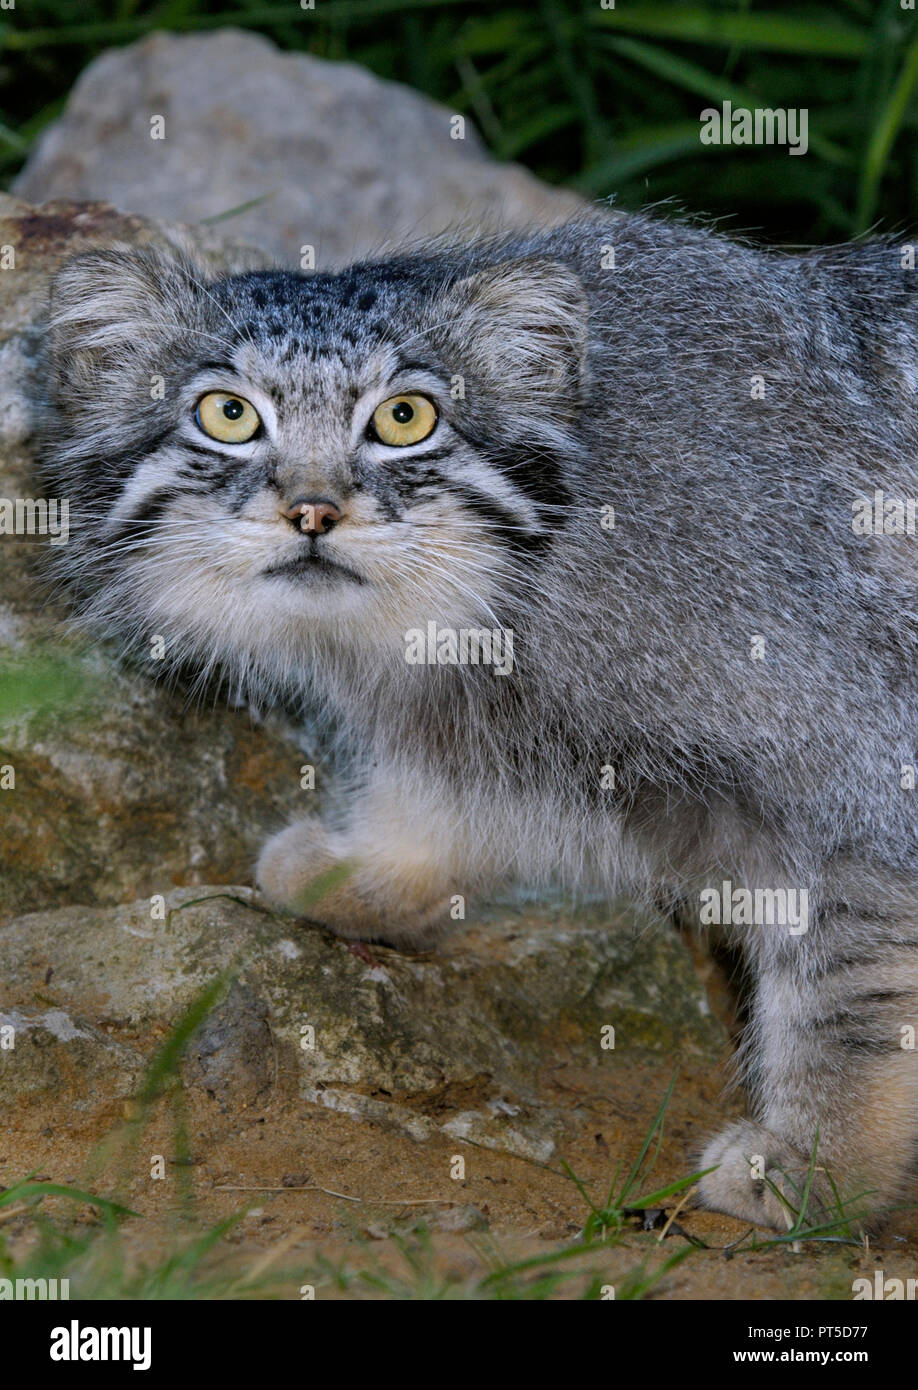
(327,1194)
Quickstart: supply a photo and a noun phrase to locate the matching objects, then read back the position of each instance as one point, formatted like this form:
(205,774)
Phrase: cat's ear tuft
(110,306)
(523,326)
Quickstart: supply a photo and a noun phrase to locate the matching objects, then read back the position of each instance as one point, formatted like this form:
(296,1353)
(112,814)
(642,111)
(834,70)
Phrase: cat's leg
(833,1051)
(394,874)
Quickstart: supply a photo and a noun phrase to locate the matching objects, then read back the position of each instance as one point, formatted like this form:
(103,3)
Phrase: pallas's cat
(590,541)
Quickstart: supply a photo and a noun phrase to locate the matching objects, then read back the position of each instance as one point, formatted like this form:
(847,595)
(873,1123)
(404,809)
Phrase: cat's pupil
(233,409)
(402,413)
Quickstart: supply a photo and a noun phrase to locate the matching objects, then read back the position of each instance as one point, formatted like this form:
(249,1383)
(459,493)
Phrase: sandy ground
(382,1189)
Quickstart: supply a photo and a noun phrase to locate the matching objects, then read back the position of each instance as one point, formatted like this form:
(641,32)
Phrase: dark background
(607,101)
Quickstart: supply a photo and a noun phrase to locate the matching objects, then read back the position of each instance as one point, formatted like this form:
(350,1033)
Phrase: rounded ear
(523,325)
(110,305)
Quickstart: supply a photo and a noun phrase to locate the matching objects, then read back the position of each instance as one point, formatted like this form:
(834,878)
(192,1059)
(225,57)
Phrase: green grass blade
(653,1199)
(238,210)
(776,32)
(580,1186)
(656,1130)
(697,80)
(636,1285)
(24,1190)
(166,1060)
(889,124)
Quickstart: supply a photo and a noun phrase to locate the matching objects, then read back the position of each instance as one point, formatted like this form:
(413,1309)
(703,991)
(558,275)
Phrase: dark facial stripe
(432,456)
(539,478)
(846,909)
(208,456)
(840,963)
(538,475)
(500,519)
(150,509)
(105,477)
(868,1047)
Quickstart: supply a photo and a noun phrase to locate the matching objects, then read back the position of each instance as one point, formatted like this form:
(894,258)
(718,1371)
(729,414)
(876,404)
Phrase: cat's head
(263,464)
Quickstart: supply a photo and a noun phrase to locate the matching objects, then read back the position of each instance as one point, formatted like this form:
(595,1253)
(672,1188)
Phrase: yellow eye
(227,418)
(404,420)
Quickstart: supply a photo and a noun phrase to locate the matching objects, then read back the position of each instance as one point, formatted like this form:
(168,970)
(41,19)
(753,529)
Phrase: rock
(118,783)
(231,1053)
(461,1218)
(47,1054)
(448,1043)
(337,159)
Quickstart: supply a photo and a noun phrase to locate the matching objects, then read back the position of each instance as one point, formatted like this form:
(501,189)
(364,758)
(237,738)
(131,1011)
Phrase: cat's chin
(315,593)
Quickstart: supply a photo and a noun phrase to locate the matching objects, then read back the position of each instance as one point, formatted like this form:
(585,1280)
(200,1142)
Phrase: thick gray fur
(731,405)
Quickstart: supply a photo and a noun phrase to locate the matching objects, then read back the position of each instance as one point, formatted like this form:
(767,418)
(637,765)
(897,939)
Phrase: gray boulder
(337,159)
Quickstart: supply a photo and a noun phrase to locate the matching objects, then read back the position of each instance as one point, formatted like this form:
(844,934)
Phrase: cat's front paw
(295,864)
(762,1179)
(307,871)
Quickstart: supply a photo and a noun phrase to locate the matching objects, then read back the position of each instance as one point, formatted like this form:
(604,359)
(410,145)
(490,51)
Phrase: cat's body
(720,686)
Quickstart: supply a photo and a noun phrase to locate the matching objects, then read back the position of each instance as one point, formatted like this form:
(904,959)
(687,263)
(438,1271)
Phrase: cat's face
(264,462)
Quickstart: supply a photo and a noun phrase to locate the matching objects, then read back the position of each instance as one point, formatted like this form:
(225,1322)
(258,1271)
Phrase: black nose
(313,515)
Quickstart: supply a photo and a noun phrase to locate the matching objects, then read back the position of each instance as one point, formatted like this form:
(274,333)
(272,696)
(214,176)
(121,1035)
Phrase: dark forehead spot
(366,300)
(344,290)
